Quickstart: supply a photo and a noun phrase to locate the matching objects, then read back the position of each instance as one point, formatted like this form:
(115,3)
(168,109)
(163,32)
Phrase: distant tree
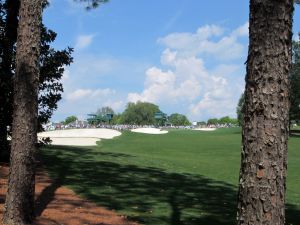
(212,121)
(117,119)
(104,111)
(201,123)
(70,119)
(140,113)
(262,181)
(240,110)
(225,120)
(177,119)
(295,83)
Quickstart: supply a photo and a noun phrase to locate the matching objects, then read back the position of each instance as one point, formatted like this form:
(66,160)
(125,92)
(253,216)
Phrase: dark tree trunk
(19,204)
(261,198)
(10,36)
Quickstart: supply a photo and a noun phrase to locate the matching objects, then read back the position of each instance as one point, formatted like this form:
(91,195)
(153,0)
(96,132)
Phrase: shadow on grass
(295,133)
(147,195)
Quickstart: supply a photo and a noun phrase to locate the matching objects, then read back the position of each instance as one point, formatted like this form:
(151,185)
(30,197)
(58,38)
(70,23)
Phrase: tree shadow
(148,195)
(48,193)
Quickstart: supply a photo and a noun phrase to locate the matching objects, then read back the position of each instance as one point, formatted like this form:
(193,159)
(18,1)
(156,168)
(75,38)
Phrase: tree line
(141,113)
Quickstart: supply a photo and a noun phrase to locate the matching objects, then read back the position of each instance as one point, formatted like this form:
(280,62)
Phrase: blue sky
(186,56)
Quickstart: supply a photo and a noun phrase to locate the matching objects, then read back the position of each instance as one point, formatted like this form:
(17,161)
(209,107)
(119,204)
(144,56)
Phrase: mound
(149,131)
(79,137)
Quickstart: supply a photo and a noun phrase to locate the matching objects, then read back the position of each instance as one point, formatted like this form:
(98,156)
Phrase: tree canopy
(140,113)
(240,109)
(177,119)
(103,111)
(70,119)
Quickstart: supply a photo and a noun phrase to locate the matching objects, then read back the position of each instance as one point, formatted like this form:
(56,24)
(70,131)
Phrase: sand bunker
(79,137)
(149,131)
(206,129)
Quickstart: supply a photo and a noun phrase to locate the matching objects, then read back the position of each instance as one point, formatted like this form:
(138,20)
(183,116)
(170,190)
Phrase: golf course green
(182,177)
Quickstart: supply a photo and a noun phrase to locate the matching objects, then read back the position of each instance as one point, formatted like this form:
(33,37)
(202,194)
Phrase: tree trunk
(10,36)
(19,204)
(261,198)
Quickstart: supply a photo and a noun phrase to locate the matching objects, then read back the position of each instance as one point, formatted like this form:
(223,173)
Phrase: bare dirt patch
(57,205)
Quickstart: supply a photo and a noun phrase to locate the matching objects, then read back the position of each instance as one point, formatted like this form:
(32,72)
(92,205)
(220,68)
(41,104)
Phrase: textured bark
(261,198)
(19,204)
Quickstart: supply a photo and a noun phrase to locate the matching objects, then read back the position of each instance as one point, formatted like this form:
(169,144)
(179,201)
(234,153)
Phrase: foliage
(52,63)
(182,175)
(103,111)
(117,119)
(212,121)
(240,110)
(140,113)
(295,83)
(201,123)
(222,121)
(177,119)
(70,119)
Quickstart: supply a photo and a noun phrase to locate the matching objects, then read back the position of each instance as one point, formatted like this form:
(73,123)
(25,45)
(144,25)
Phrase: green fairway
(183,177)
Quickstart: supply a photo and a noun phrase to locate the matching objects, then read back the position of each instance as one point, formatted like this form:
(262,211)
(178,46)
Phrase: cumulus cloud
(89,94)
(83,41)
(186,79)
(209,40)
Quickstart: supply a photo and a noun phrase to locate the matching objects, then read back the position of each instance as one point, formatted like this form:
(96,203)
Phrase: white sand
(79,137)
(206,129)
(149,131)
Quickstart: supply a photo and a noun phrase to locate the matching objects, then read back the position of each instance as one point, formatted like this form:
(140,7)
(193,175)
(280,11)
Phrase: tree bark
(19,204)
(261,198)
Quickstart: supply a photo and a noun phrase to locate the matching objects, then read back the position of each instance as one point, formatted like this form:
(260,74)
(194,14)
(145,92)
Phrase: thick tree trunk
(6,90)
(261,198)
(19,204)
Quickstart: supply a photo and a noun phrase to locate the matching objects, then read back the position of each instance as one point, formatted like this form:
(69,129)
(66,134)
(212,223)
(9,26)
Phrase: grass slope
(183,177)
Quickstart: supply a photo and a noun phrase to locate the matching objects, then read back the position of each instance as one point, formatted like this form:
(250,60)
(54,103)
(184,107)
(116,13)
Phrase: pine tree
(19,203)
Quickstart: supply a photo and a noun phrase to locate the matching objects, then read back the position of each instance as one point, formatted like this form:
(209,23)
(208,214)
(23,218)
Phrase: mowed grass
(183,177)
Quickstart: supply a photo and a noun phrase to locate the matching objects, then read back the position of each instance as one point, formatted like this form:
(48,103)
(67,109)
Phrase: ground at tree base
(57,205)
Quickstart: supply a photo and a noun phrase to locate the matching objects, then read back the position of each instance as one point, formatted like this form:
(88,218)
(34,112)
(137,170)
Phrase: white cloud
(66,75)
(83,41)
(187,81)
(115,105)
(242,30)
(205,41)
(89,94)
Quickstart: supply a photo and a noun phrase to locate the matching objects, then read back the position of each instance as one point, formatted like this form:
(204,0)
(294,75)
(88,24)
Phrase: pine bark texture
(19,204)
(261,198)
